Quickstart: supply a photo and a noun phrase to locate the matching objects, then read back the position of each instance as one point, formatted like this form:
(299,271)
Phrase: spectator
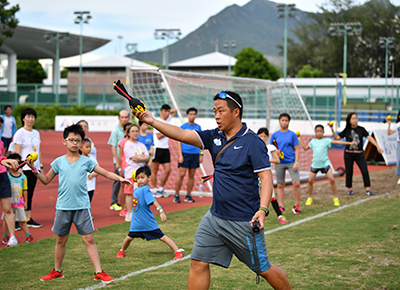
(189,158)
(147,139)
(117,134)
(27,140)
(93,150)
(161,152)
(9,128)
(396,128)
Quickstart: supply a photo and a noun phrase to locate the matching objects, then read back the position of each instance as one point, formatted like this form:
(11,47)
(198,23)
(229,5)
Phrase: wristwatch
(264,209)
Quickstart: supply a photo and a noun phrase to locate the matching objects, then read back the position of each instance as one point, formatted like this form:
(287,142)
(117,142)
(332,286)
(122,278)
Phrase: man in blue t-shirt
(239,157)
(287,146)
(73,205)
(189,158)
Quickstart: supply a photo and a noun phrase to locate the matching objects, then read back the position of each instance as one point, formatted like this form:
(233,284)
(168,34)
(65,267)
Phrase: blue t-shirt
(320,152)
(235,187)
(186,148)
(286,142)
(142,218)
(146,140)
(72,179)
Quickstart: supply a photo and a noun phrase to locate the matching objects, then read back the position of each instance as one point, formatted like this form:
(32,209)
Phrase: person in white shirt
(27,140)
(9,128)
(161,152)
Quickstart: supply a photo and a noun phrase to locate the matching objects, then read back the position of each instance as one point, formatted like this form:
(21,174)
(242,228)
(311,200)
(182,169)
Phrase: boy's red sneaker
(53,275)
(121,254)
(179,254)
(30,239)
(5,240)
(103,276)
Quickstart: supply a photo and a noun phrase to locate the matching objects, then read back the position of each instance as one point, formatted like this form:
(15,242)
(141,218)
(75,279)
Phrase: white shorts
(19,213)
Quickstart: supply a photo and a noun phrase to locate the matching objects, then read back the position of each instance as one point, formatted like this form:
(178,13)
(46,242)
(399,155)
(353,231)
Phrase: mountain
(253,25)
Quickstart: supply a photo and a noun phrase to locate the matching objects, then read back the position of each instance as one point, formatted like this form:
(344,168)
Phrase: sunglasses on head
(223,95)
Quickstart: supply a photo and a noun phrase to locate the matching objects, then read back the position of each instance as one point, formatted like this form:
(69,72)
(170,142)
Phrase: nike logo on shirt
(237,147)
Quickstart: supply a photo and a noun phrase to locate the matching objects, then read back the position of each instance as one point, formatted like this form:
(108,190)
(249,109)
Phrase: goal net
(263,101)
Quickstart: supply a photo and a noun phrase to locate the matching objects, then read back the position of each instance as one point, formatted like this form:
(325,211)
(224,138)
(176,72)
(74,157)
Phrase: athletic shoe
(121,254)
(296,209)
(17,226)
(176,199)
(158,194)
(336,201)
(179,254)
(116,207)
(189,198)
(52,275)
(398,181)
(309,201)
(32,224)
(30,239)
(5,240)
(123,212)
(369,192)
(282,220)
(128,216)
(12,242)
(282,209)
(103,276)
(350,192)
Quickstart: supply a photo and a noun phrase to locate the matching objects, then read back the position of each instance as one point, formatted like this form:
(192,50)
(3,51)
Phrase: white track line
(169,263)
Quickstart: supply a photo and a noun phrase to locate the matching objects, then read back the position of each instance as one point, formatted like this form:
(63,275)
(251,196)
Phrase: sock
(27,234)
(59,271)
(176,195)
(5,235)
(161,188)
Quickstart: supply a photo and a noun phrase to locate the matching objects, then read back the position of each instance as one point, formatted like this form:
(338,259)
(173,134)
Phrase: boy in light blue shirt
(73,205)
(320,162)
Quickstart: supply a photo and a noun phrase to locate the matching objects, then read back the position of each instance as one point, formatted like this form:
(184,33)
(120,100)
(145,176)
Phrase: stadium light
(167,34)
(339,29)
(131,48)
(56,36)
(386,42)
(285,11)
(229,45)
(119,44)
(81,18)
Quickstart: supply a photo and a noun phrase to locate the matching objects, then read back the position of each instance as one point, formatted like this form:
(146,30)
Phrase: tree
(8,21)
(30,72)
(307,71)
(252,64)
(64,73)
(365,58)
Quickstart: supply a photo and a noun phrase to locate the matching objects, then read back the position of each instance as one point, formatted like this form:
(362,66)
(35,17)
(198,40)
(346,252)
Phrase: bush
(45,119)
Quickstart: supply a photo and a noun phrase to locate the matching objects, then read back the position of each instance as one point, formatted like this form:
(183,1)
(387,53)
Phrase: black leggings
(32,179)
(359,158)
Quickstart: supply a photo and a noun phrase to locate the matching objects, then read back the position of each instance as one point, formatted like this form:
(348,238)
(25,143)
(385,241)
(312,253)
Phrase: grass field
(357,247)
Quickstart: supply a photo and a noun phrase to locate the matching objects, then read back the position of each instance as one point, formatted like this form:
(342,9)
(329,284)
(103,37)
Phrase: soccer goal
(263,101)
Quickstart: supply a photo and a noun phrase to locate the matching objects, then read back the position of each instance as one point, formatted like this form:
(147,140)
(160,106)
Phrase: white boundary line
(169,263)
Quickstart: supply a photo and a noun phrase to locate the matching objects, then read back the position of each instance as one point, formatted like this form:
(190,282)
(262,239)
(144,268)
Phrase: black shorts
(323,170)
(162,155)
(150,235)
(189,161)
(5,186)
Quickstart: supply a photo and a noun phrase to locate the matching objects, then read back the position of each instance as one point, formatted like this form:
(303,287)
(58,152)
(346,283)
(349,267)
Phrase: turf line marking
(169,263)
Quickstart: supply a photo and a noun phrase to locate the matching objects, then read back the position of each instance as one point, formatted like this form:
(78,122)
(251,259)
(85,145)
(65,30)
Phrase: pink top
(2,168)
(123,158)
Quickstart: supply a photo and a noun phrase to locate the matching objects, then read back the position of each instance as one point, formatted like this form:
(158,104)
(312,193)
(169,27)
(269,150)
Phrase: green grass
(355,248)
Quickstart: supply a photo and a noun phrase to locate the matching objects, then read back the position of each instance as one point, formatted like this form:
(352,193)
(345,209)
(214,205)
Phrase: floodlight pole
(167,34)
(348,28)
(386,42)
(285,11)
(81,18)
(229,45)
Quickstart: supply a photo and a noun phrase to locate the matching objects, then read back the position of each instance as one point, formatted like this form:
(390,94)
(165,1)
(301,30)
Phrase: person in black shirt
(353,132)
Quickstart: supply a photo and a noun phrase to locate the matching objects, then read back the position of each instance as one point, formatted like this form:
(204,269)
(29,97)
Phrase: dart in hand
(31,156)
(135,104)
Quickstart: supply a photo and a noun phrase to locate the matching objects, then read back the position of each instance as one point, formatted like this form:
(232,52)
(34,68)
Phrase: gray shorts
(19,213)
(216,240)
(280,171)
(82,220)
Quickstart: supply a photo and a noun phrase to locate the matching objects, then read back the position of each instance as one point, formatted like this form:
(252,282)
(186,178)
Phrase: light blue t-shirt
(117,134)
(186,148)
(142,218)
(320,152)
(147,140)
(72,179)
(286,142)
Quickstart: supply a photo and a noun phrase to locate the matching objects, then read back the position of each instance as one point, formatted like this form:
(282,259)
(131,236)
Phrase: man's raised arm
(171,131)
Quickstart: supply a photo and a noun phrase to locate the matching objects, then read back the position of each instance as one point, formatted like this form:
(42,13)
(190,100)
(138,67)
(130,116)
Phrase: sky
(134,20)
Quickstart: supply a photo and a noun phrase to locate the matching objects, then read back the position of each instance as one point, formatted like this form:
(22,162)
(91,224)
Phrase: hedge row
(45,119)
